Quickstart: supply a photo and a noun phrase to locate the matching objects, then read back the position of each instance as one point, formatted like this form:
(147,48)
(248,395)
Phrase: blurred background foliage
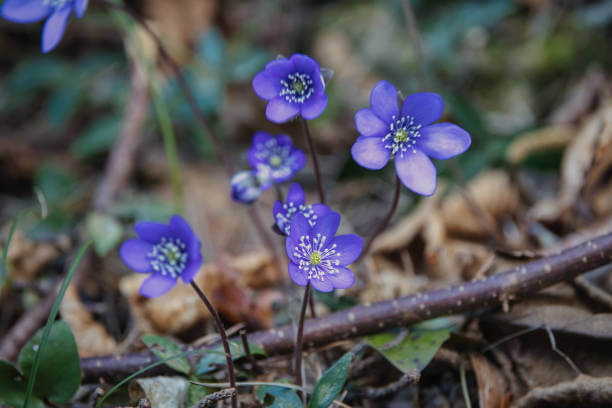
(501,65)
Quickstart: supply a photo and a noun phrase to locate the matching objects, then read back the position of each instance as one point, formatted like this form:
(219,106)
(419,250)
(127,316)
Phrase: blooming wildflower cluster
(167,252)
(320,257)
(408,136)
(273,160)
(296,204)
(56,12)
(292,86)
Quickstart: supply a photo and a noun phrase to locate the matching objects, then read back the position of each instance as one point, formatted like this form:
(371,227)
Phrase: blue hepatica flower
(278,154)
(408,136)
(296,204)
(319,256)
(248,185)
(291,86)
(166,251)
(56,12)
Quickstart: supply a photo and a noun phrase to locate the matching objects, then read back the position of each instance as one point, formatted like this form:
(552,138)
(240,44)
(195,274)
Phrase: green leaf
(331,383)
(63,102)
(55,182)
(97,138)
(216,356)
(59,373)
(13,387)
(195,393)
(105,231)
(164,348)
(211,48)
(414,351)
(278,397)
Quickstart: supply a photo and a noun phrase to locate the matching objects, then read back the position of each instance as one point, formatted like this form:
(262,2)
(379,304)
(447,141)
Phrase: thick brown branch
(371,318)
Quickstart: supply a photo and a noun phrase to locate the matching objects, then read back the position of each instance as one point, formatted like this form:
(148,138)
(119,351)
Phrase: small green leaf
(105,231)
(97,138)
(55,182)
(195,393)
(414,351)
(331,383)
(278,397)
(13,387)
(164,348)
(211,48)
(216,356)
(59,373)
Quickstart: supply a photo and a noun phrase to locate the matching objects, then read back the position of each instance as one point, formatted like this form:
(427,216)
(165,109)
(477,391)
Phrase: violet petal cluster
(275,156)
(294,204)
(320,257)
(165,251)
(409,136)
(291,86)
(247,185)
(55,11)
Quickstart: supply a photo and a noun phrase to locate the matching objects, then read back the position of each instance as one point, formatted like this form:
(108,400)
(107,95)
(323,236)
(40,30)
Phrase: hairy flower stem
(387,219)
(299,340)
(315,160)
(221,330)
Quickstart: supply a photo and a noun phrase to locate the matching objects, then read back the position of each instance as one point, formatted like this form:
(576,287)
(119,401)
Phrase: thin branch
(371,318)
(315,160)
(388,217)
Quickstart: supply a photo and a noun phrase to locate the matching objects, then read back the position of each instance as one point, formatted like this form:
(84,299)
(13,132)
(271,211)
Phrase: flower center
(297,88)
(275,160)
(402,136)
(315,258)
(290,210)
(168,257)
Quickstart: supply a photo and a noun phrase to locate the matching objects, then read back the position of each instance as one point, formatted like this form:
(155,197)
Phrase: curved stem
(221,330)
(299,340)
(388,217)
(315,160)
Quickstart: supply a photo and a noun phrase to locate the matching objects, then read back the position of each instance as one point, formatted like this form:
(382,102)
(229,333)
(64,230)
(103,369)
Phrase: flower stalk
(221,330)
(299,340)
(383,225)
(315,160)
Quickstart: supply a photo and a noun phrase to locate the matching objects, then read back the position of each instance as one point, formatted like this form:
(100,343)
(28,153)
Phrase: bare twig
(553,344)
(373,317)
(247,351)
(389,389)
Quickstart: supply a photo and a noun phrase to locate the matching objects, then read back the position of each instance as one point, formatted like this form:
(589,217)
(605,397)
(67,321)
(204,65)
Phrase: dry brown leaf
(27,258)
(162,392)
(456,261)
(552,137)
(386,281)
(580,98)
(584,391)
(404,231)
(91,337)
(494,196)
(492,387)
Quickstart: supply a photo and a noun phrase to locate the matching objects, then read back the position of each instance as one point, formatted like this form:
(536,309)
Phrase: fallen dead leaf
(26,258)
(162,392)
(492,387)
(552,137)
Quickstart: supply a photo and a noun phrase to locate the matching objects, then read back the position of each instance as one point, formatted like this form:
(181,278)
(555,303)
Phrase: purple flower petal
(383,101)
(54,27)
(297,275)
(152,232)
(299,228)
(314,107)
(280,111)
(156,285)
(192,268)
(25,11)
(416,172)
(444,140)
(320,210)
(260,139)
(326,226)
(295,194)
(298,162)
(284,140)
(343,279)
(133,253)
(280,68)
(184,232)
(370,152)
(424,107)
(322,285)
(267,86)
(368,124)
(245,187)
(348,248)
(304,64)
(79,7)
